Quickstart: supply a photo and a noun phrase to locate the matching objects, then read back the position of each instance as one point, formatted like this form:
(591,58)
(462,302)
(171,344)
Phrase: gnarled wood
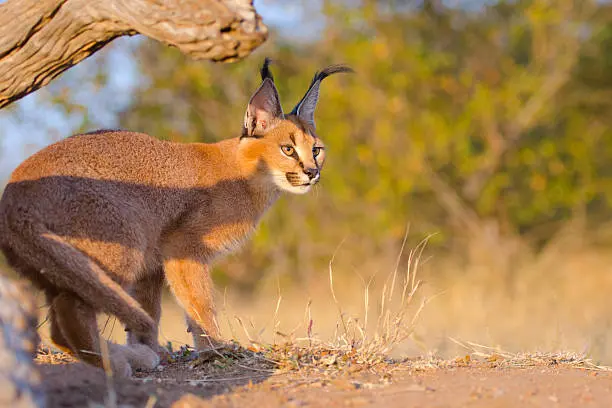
(39,39)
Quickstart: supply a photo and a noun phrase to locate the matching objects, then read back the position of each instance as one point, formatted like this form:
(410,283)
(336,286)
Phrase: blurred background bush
(483,125)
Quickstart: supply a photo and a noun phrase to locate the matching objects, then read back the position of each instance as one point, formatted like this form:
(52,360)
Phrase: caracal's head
(286,146)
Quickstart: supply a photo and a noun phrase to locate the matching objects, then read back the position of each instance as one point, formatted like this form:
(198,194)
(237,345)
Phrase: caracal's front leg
(191,284)
(148,292)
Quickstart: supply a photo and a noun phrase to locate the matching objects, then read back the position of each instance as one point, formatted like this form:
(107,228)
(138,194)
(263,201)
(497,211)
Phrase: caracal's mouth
(297,181)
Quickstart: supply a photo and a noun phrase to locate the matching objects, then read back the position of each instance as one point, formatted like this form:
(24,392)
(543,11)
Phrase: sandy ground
(179,385)
(462,387)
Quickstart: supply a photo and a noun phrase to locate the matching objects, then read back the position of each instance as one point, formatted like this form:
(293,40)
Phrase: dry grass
(554,305)
(355,343)
(559,303)
(365,341)
(49,355)
(504,359)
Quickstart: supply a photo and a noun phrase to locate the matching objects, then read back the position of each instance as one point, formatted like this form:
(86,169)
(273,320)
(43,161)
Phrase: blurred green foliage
(488,125)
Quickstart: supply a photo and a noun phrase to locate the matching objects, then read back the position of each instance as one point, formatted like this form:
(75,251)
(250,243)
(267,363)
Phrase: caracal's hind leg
(191,284)
(57,337)
(77,323)
(148,292)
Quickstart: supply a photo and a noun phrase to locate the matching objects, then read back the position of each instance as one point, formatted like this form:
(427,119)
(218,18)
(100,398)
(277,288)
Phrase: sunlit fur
(267,150)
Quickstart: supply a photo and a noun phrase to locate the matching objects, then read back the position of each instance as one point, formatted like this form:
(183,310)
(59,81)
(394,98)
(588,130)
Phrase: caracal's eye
(287,150)
(316,151)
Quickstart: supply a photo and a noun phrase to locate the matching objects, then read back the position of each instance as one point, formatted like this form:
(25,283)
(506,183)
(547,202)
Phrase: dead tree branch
(42,38)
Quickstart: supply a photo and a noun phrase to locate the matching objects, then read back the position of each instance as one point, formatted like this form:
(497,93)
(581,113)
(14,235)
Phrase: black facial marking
(293,179)
(292,137)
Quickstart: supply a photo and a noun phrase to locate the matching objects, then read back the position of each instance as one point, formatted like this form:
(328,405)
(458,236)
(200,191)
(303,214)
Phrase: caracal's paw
(142,357)
(120,366)
(138,356)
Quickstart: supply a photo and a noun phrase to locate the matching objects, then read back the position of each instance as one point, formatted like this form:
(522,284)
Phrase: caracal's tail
(66,267)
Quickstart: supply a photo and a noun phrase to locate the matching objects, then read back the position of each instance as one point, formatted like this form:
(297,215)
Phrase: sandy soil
(181,385)
(461,387)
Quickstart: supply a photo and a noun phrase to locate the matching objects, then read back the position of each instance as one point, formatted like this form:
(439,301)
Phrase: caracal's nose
(311,173)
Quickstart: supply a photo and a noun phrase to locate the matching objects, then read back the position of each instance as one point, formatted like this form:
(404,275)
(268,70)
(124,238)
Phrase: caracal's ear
(306,107)
(264,110)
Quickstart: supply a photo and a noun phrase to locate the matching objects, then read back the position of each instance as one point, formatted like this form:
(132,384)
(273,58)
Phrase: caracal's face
(292,153)
(286,146)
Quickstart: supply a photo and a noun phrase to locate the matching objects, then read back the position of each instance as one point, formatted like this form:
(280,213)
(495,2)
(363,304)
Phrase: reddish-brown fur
(97,216)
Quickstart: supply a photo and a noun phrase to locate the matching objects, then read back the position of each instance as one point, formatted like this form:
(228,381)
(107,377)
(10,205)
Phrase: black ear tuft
(265,70)
(306,106)
(332,69)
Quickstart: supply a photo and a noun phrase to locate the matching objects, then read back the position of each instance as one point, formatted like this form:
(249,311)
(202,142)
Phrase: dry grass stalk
(501,358)
(355,343)
(151,401)
(111,396)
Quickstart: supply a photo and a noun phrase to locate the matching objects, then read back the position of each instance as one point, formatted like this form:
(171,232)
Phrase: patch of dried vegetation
(498,358)
(48,355)
(356,346)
